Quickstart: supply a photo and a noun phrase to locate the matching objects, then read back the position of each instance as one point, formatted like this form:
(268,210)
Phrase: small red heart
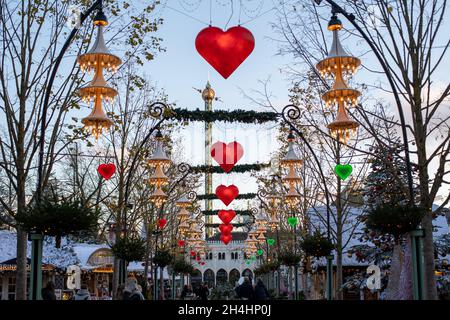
(181,243)
(226,228)
(202,263)
(193,254)
(225,50)
(227,194)
(226,238)
(226,215)
(106,170)
(198,258)
(162,223)
(227,155)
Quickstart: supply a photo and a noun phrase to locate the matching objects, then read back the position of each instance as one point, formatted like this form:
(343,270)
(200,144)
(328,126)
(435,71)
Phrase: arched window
(221,276)
(208,277)
(234,277)
(221,255)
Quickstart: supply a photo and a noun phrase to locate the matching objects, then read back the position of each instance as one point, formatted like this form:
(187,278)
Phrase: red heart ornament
(181,243)
(225,50)
(106,170)
(227,155)
(227,194)
(226,215)
(198,258)
(226,228)
(226,238)
(202,263)
(193,254)
(162,223)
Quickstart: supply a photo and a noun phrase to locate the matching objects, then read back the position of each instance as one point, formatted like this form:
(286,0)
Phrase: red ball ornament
(193,254)
(181,243)
(226,216)
(227,194)
(225,50)
(227,155)
(162,223)
(106,170)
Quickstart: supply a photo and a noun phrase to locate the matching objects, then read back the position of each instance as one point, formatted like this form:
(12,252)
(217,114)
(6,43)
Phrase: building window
(209,256)
(221,255)
(234,255)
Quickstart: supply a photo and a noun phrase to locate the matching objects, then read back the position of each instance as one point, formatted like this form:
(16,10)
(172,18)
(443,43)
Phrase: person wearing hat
(245,290)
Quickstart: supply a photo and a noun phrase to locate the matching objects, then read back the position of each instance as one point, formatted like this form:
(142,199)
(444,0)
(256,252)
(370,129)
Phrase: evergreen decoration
(129,249)
(162,258)
(216,225)
(388,214)
(212,196)
(288,258)
(238,212)
(266,268)
(316,245)
(181,266)
(239,168)
(59,217)
(395,220)
(242,116)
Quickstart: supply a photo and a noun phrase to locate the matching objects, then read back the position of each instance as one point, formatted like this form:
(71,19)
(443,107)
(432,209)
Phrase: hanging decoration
(238,212)
(226,215)
(106,170)
(292,162)
(212,196)
(226,228)
(260,252)
(162,223)
(97,59)
(270,242)
(193,254)
(239,168)
(159,160)
(181,243)
(343,171)
(226,238)
(225,50)
(292,221)
(237,115)
(227,155)
(227,193)
(339,64)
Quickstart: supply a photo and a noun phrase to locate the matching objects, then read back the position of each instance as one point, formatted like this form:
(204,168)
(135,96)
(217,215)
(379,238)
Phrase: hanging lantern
(343,127)
(339,64)
(98,59)
(158,197)
(159,156)
(292,198)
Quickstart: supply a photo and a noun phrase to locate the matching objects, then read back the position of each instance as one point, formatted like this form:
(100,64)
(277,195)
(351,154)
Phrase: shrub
(316,245)
(129,249)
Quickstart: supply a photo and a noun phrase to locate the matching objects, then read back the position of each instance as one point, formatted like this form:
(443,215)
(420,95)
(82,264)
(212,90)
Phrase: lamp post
(100,21)
(417,236)
(291,113)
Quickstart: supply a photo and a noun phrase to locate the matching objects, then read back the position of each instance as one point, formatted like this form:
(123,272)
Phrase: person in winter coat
(245,290)
(82,294)
(261,292)
(48,293)
(203,292)
(132,291)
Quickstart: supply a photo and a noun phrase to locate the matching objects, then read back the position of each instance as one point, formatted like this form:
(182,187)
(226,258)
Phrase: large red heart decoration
(226,215)
(225,228)
(227,155)
(225,51)
(106,170)
(162,223)
(227,194)
(226,238)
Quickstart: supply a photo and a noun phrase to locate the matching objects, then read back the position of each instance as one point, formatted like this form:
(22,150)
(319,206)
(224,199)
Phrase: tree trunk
(394,275)
(21,275)
(161,281)
(429,267)
(405,285)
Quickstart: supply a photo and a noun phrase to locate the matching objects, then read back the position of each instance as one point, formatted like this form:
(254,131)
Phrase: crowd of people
(131,290)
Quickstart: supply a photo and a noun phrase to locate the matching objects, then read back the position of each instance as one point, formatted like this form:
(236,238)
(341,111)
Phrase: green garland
(238,212)
(216,225)
(240,168)
(238,115)
(212,196)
